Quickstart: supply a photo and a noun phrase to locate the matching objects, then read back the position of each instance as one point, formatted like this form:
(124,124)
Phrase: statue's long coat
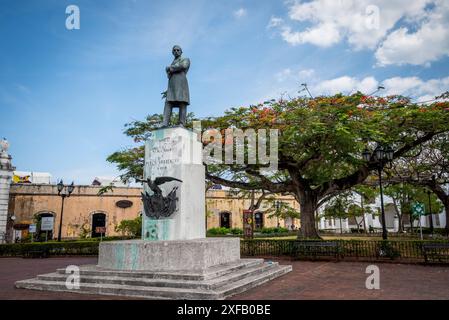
(178,87)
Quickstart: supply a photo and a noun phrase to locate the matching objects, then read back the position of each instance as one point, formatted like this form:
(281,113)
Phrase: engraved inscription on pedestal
(165,153)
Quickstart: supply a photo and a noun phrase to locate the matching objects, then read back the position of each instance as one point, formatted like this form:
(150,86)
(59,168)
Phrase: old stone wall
(26,201)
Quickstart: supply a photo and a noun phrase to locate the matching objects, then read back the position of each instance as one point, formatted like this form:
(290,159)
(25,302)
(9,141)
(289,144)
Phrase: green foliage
(51,248)
(236,231)
(330,133)
(105,189)
(368,193)
(85,231)
(274,230)
(218,231)
(132,228)
(338,207)
(130,161)
(436,231)
(280,209)
(321,141)
(405,194)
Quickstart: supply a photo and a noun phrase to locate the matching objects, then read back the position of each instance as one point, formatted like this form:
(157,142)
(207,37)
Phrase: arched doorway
(225,219)
(258,220)
(98,220)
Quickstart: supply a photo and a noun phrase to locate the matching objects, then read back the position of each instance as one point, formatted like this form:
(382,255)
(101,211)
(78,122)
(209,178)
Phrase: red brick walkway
(308,280)
(346,280)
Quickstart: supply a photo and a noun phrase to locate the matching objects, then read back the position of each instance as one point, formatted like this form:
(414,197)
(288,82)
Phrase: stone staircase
(218,282)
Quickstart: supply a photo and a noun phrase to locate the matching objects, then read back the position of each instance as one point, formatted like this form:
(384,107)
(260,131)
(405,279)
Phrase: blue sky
(66,94)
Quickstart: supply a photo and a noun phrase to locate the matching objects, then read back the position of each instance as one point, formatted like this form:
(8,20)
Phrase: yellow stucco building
(85,210)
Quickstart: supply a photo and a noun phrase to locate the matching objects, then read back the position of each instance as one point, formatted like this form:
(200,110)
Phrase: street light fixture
(380,158)
(63,195)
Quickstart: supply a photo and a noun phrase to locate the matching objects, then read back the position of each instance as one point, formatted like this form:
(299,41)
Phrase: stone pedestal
(6,172)
(177,153)
(186,255)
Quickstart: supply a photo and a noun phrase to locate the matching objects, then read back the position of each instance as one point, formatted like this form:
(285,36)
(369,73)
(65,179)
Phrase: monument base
(191,269)
(194,255)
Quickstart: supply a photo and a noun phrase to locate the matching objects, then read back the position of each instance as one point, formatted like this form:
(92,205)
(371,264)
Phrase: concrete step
(119,290)
(253,281)
(226,289)
(174,283)
(211,273)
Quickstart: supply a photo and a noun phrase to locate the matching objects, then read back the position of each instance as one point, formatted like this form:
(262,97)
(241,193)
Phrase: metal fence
(412,251)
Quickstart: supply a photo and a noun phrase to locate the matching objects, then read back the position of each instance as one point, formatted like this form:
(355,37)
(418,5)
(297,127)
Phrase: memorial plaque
(47,223)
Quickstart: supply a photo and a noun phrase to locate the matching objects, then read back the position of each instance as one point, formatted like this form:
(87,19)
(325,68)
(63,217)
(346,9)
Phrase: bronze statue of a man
(177,94)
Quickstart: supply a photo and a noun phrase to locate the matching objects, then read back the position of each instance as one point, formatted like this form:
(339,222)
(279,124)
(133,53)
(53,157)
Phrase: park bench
(316,249)
(436,252)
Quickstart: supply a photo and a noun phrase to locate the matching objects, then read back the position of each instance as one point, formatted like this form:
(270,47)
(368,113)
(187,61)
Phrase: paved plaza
(308,280)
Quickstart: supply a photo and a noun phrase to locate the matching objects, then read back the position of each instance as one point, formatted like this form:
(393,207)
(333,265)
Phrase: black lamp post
(380,157)
(70,189)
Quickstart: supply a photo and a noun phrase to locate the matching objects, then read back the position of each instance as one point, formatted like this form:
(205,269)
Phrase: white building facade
(6,173)
(372,220)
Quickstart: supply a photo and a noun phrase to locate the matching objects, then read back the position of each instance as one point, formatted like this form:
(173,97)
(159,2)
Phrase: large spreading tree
(321,141)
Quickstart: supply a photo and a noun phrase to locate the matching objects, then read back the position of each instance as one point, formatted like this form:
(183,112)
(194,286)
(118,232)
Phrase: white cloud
(324,35)
(240,13)
(347,85)
(283,75)
(372,24)
(275,22)
(429,43)
(306,74)
(414,87)
(288,74)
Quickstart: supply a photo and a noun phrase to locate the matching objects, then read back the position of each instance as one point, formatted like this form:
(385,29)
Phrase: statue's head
(177,51)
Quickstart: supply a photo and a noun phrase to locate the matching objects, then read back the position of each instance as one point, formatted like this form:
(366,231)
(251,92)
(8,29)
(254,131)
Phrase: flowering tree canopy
(321,141)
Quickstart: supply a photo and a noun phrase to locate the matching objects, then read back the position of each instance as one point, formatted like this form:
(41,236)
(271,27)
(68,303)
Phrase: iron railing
(413,251)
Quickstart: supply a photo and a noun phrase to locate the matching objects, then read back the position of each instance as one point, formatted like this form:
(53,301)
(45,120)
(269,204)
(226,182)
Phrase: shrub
(426,230)
(132,228)
(236,231)
(51,248)
(274,230)
(218,231)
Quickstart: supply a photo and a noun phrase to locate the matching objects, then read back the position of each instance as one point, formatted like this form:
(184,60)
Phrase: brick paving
(13,269)
(308,280)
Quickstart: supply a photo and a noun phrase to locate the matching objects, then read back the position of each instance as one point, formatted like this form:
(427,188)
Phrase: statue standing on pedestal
(177,94)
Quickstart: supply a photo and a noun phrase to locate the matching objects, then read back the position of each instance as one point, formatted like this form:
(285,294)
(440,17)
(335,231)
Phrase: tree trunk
(396,209)
(444,197)
(341,227)
(446,209)
(363,213)
(308,203)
